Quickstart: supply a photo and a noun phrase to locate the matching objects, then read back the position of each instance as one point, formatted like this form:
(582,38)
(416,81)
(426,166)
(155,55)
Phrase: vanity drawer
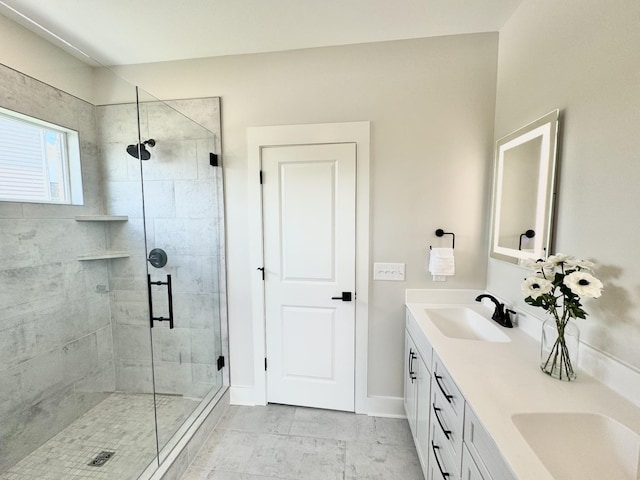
(442,463)
(447,423)
(483,449)
(420,340)
(443,383)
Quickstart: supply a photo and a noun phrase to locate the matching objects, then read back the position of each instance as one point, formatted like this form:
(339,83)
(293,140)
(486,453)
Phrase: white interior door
(309,252)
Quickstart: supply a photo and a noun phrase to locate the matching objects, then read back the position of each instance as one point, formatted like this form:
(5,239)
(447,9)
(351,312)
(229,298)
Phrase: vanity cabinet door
(417,398)
(410,382)
(470,470)
(483,449)
(423,412)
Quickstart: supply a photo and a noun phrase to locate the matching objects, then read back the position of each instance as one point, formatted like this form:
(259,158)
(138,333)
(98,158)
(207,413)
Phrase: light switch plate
(388,271)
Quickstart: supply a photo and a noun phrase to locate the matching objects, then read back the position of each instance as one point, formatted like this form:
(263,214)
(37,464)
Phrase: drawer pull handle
(435,448)
(446,395)
(412,357)
(447,433)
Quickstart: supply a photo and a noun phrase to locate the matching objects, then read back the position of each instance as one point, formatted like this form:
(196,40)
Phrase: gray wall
(583,57)
(30,54)
(431,106)
(56,358)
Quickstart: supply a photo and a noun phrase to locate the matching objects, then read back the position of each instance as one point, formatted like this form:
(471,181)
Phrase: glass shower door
(134,419)
(182,204)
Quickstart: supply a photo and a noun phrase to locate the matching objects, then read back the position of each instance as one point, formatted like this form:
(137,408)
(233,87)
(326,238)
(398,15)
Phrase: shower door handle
(170,295)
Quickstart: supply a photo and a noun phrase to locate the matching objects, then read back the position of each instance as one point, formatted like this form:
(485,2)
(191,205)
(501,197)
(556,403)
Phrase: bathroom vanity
(479,408)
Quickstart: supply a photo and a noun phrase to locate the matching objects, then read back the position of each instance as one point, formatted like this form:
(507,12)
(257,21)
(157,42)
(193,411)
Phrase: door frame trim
(350,132)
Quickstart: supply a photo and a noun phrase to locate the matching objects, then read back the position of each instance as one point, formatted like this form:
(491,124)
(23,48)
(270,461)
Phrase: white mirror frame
(545,128)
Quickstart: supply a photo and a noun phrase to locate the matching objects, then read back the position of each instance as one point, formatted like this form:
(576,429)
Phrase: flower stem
(558,361)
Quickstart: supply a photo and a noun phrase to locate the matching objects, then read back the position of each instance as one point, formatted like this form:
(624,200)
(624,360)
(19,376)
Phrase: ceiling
(121,32)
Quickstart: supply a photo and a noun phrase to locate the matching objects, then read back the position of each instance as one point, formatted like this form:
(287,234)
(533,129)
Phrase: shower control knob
(157,257)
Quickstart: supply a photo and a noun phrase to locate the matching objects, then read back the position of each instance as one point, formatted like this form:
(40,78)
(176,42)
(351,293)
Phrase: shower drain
(100,459)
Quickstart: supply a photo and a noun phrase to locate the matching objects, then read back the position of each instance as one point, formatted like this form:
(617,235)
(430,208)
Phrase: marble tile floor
(122,423)
(279,442)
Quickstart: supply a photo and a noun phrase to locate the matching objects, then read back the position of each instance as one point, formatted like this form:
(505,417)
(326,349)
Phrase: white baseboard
(392,407)
(242,395)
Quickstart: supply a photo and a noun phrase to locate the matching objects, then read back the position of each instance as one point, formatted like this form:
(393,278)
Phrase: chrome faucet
(501,315)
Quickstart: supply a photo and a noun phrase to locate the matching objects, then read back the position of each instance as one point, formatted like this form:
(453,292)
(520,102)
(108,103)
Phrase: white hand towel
(442,262)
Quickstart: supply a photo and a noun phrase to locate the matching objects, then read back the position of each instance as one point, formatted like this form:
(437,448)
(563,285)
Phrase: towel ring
(440,233)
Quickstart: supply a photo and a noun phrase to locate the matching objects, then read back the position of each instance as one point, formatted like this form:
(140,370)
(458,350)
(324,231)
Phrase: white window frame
(71,173)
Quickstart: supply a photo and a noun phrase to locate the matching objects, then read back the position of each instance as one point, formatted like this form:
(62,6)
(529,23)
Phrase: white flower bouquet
(558,286)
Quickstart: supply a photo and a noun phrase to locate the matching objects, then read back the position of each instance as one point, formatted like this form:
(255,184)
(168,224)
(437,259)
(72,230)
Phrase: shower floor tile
(122,423)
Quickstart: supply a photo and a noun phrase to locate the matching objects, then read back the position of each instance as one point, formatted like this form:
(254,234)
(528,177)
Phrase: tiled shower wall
(56,355)
(72,331)
(183,211)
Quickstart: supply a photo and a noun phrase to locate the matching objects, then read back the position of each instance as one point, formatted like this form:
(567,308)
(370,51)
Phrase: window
(39,161)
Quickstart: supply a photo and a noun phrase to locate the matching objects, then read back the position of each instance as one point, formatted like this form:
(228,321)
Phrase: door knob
(345,297)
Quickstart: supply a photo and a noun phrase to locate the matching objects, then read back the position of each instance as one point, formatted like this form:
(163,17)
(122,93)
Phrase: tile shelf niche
(103,256)
(101,219)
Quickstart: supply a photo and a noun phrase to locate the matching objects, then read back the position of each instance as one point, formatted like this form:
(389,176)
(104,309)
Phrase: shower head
(140,151)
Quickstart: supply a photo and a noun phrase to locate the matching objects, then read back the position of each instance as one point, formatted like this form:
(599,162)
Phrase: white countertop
(499,380)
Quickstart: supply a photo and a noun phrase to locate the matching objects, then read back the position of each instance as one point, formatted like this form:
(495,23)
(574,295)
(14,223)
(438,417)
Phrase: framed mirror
(524,191)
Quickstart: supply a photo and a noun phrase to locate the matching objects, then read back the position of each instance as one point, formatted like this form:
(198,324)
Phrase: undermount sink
(464,323)
(581,445)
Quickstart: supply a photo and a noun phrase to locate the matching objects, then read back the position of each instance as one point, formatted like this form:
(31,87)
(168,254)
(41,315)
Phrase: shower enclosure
(112,309)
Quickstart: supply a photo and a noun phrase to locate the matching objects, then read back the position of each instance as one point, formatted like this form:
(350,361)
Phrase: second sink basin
(587,446)
(465,323)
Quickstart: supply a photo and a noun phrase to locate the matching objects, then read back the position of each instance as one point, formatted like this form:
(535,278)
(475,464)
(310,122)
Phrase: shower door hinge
(260,177)
(220,362)
(265,364)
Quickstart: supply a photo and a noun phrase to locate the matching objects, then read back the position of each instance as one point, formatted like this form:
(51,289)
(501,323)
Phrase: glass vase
(559,349)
